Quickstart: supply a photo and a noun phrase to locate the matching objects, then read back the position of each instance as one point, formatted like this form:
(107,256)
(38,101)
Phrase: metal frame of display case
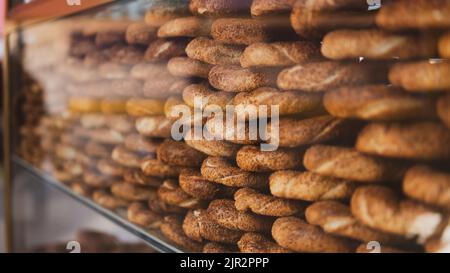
(17,18)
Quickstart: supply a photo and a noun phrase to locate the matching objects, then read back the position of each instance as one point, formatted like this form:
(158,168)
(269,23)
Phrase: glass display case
(228,126)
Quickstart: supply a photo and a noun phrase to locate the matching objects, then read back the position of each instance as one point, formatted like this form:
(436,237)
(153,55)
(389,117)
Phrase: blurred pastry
(140,33)
(185,27)
(187,67)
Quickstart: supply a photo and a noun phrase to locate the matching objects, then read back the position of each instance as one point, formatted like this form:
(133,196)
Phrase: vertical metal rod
(7,178)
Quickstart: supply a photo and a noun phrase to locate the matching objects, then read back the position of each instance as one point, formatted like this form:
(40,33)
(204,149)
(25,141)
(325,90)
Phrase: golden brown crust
(322,76)
(443,109)
(421,15)
(140,33)
(192,182)
(251,158)
(420,140)
(185,27)
(125,157)
(279,54)
(242,31)
(378,102)
(380,208)
(348,163)
(213,52)
(106,136)
(83,105)
(161,13)
(144,70)
(219,7)
(95,180)
(336,218)
(108,167)
(138,143)
(159,206)
(376,44)
(421,76)
(233,78)
(108,200)
(154,167)
(157,126)
(270,7)
(428,185)
(213,247)
(171,227)
(205,95)
(295,234)
(211,147)
(263,204)
(132,192)
(187,67)
(444,45)
(138,107)
(313,24)
(309,186)
(288,102)
(164,49)
(257,243)
(222,171)
(171,193)
(224,213)
(180,154)
(297,132)
(139,214)
(136,176)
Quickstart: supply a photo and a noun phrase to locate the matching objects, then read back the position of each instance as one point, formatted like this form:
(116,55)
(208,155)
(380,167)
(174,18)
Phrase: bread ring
(185,27)
(125,157)
(380,208)
(146,70)
(192,182)
(179,153)
(171,227)
(363,248)
(160,207)
(257,243)
(205,95)
(288,102)
(213,52)
(219,8)
(444,45)
(140,33)
(81,188)
(233,78)
(263,204)
(309,186)
(295,234)
(172,194)
(211,147)
(139,214)
(428,185)
(347,163)
(443,109)
(323,76)
(433,76)
(420,140)
(313,24)
(164,49)
(297,132)
(126,54)
(336,218)
(132,192)
(251,158)
(95,180)
(112,71)
(112,106)
(279,54)
(108,200)
(120,123)
(376,44)
(270,7)
(243,31)
(187,67)
(144,107)
(140,144)
(224,213)
(378,102)
(110,168)
(97,150)
(154,167)
(83,105)
(222,171)
(106,136)
(163,12)
(213,247)
(136,176)
(198,226)
(422,14)
(158,126)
